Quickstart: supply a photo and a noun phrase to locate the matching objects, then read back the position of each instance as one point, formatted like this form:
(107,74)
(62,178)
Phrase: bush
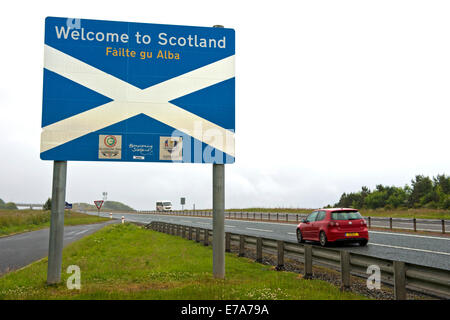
(47,205)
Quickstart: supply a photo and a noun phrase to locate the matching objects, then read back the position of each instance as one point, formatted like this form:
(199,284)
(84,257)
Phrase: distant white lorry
(164,206)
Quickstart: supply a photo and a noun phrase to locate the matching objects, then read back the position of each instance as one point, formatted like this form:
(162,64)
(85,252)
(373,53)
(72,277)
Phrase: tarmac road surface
(19,250)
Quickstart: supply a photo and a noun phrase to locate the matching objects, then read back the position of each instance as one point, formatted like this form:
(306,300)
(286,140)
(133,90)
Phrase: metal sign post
(57,222)
(218,242)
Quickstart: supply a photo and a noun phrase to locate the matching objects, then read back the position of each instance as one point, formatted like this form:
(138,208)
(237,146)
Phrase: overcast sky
(330,96)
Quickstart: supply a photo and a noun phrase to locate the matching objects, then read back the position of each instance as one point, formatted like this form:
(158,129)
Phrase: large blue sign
(120,91)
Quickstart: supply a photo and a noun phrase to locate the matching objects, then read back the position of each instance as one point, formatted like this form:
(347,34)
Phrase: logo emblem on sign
(171,148)
(170,145)
(110,147)
(110,141)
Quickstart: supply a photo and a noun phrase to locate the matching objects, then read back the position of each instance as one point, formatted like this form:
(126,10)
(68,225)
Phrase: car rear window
(346,215)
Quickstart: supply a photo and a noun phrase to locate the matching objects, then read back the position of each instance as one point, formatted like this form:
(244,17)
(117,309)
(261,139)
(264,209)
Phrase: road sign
(98,204)
(121,91)
(183,201)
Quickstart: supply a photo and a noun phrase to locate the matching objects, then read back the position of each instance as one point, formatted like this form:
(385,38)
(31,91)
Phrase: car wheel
(363,243)
(323,239)
(299,236)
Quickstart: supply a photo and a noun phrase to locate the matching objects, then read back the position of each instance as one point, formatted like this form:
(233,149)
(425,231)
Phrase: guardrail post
(197,234)
(280,255)
(277,216)
(415,224)
(247,215)
(241,245)
(443,226)
(190,233)
(287,217)
(269,216)
(259,249)
(227,242)
(399,280)
(205,237)
(254,216)
(308,262)
(370,222)
(345,270)
(296,217)
(390,223)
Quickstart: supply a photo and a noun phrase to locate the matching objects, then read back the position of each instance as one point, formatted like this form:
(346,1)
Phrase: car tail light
(364,223)
(333,224)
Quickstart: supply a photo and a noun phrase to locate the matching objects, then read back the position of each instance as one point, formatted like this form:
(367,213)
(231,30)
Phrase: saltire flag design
(89,94)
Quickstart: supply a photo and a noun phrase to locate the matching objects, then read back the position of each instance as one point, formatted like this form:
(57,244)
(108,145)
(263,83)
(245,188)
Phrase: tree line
(424,192)
(7,205)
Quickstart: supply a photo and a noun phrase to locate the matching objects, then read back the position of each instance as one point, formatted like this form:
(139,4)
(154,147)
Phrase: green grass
(408,213)
(130,262)
(280,210)
(17,221)
(395,213)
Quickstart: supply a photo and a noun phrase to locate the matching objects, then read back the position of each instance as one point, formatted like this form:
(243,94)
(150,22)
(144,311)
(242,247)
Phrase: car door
(317,224)
(307,228)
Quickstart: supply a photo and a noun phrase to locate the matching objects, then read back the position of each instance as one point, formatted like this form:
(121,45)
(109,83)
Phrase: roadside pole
(218,242)
(57,222)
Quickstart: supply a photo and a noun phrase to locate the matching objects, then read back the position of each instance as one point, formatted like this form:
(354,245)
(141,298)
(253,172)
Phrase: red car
(334,225)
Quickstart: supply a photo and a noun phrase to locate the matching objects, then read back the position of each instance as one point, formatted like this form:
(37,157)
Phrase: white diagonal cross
(129,101)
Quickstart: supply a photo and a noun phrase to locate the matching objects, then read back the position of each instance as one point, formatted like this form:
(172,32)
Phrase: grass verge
(394,213)
(129,262)
(18,221)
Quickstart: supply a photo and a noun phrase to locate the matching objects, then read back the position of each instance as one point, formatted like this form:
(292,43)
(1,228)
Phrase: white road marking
(410,235)
(259,229)
(292,233)
(81,232)
(406,248)
(230,226)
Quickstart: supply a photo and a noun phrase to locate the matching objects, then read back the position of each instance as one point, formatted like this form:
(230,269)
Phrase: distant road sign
(98,204)
(121,91)
(183,201)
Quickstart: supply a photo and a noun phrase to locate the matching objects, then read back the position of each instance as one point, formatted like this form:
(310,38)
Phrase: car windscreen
(167,204)
(346,215)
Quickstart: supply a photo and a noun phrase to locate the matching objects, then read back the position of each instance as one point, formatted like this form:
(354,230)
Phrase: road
(434,225)
(419,249)
(22,249)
